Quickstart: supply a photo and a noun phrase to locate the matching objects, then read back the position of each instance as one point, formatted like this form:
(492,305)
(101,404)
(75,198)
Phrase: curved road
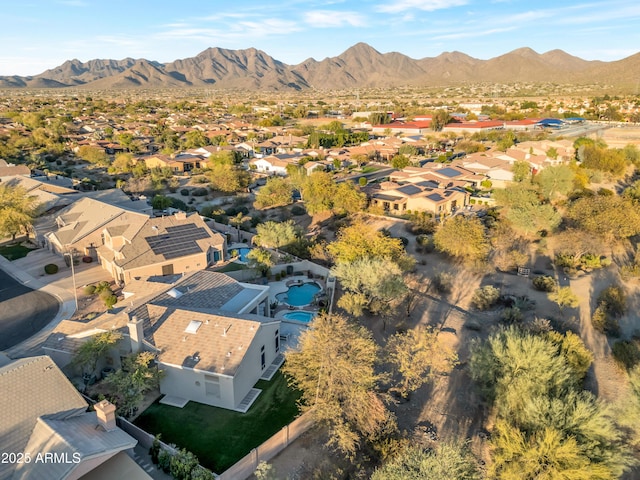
(23,311)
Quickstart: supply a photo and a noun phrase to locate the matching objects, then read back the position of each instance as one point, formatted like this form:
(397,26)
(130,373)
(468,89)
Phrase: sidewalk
(59,285)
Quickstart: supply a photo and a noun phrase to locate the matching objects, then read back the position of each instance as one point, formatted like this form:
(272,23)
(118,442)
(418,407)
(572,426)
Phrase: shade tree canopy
(338,380)
(18,210)
(463,238)
(546,426)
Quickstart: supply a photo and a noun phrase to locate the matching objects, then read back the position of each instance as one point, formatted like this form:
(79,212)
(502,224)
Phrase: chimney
(136,334)
(180,215)
(106,413)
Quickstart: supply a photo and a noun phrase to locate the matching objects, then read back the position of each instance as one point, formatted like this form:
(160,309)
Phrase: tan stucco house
(213,336)
(159,246)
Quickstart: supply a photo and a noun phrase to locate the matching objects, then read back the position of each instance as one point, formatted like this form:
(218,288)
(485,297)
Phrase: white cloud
(425,5)
(331,18)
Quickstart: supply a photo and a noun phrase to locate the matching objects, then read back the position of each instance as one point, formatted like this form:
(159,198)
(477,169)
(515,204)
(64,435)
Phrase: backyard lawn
(232,267)
(220,437)
(13,252)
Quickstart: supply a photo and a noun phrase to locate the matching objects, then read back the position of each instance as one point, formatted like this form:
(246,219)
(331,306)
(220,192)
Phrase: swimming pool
(299,316)
(299,295)
(242,253)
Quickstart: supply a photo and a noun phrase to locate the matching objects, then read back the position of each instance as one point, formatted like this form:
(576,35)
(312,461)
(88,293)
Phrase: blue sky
(41,34)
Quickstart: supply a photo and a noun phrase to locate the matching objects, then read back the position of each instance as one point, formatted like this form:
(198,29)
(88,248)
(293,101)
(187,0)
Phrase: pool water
(242,253)
(304,317)
(299,295)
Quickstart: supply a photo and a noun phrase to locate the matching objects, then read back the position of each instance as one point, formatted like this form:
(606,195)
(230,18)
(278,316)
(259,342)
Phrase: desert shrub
(614,299)
(51,268)
(485,297)
(626,354)
(565,260)
(89,290)
(540,325)
(511,315)
(599,318)
(442,282)
(425,243)
(603,321)
(630,271)
(544,283)
(200,192)
(233,211)
(298,210)
(184,192)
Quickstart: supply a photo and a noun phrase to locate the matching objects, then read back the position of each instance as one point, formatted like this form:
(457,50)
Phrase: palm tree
(238,220)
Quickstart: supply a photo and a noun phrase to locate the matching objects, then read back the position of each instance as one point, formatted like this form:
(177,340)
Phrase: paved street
(33,303)
(23,311)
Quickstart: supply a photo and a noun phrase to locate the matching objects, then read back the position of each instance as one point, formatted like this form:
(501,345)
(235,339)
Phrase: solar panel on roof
(179,241)
(449,172)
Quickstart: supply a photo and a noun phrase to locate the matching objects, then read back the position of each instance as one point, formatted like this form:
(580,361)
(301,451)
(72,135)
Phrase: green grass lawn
(232,267)
(220,437)
(14,252)
(370,169)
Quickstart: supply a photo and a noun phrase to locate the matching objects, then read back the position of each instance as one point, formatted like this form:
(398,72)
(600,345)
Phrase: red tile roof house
(212,335)
(472,127)
(407,128)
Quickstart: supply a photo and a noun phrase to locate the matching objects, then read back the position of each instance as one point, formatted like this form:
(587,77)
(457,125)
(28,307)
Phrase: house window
(277,341)
(262,358)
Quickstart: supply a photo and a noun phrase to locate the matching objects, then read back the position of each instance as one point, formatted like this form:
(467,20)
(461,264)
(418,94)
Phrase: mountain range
(360,66)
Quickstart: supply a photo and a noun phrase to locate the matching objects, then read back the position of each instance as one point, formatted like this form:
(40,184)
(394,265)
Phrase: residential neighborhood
(232,285)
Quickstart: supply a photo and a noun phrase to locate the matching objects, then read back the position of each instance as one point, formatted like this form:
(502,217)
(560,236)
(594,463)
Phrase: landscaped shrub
(184,192)
(89,290)
(164,460)
(626,354)
(544,283)
(298,210)
(154,449)
(51,268)
(485,297)
(181,465)
(110,301)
